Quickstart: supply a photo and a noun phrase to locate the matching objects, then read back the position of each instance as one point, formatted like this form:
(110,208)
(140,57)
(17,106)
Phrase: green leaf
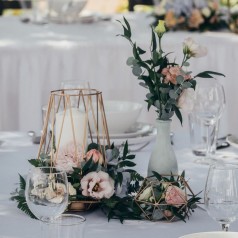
(179,79)
(164,90)
(149,95)
(130,61)
(136,70)
(143,85)
(183,174)
(178,114)
(130,157)
(186,85)
(22,182)
(128,26)
(140,51)
(125,149)
(22,205)
(92,146)
(126,163)
(120,178)
(186,64)
(135,53)
(173,94)
(35,162)
(157,175)
(208,74)
(157,104)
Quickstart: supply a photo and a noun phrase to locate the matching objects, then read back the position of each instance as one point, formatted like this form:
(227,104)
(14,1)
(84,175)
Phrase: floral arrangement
(117,189)
(110,183)
(169,84)
(192,15)
(166,198)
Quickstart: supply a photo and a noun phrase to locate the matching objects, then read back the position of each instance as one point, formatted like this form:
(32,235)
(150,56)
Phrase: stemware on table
(221,193)
(46,192)
(208,107)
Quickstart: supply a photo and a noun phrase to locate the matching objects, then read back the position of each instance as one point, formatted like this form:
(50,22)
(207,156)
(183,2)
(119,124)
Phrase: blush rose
(97,185)
(175,196)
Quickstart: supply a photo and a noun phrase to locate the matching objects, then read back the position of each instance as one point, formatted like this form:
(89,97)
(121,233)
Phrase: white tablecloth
(34,59)
(17,149)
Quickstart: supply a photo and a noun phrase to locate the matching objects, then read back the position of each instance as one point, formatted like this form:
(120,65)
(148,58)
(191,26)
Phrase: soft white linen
(34,59)
(14,223)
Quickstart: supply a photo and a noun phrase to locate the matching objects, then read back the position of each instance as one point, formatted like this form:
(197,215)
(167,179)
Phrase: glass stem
(208,149)
(225,227)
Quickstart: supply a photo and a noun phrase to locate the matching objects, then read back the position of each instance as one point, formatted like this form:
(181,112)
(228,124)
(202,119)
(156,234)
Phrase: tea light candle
(78,126)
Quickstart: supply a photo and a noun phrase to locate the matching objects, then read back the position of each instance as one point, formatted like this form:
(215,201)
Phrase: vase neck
(163,129)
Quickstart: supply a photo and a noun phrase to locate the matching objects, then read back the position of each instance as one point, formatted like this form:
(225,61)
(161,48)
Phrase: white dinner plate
(216,234)
(136,140)
(232,140)
(139,129)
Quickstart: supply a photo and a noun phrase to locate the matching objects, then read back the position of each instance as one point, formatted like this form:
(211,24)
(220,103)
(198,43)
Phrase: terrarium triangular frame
(74,118)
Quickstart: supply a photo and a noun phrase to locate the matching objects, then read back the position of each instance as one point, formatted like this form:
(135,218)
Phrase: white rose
(72,190)
(191,48)
(146,194)
(186,100)
(206,12)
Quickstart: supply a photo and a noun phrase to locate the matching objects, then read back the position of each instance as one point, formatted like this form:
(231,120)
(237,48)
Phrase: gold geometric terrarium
(75,118)
(165,199)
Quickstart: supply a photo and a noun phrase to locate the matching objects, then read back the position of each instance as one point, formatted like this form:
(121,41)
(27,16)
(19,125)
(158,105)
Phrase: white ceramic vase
(163,159)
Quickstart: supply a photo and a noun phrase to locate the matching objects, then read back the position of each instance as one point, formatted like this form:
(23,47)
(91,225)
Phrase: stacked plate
(140,133)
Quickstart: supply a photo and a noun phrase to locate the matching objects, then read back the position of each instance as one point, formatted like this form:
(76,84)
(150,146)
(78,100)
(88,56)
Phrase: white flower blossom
(192,49)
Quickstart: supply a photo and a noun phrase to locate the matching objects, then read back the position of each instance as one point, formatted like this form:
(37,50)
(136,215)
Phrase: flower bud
(160,28)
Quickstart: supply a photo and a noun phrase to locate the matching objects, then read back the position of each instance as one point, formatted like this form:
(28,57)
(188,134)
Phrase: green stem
(160,47)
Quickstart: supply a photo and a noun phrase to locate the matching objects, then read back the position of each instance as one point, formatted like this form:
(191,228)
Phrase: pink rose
(168,213)
(171,74)
(175,196)
(96,155)
(68,157)
(97,185)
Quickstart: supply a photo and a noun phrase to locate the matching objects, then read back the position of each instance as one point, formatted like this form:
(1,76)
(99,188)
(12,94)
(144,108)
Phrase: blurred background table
(35,59)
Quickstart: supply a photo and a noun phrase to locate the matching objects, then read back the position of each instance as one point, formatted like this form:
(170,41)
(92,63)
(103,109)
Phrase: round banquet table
(35,59)
(17,148)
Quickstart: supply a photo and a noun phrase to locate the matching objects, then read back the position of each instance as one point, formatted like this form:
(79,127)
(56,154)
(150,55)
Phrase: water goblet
(46,192)
(208,107)
(221,193)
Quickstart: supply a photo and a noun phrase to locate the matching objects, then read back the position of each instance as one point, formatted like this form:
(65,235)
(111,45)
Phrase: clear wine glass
(208,107)
(46,192)
(221,193)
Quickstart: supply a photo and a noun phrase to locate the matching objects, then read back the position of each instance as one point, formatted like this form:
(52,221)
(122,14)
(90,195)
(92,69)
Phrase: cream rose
(146,194)
(97,185)
(206,12)
(72,190)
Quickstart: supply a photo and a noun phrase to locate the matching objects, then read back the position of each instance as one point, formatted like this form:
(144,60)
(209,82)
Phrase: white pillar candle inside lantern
(68,124)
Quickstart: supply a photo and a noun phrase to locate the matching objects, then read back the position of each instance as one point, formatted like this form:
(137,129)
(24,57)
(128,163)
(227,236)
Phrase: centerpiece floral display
(102,174)
(170,87)
(192,15)
(121,192)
